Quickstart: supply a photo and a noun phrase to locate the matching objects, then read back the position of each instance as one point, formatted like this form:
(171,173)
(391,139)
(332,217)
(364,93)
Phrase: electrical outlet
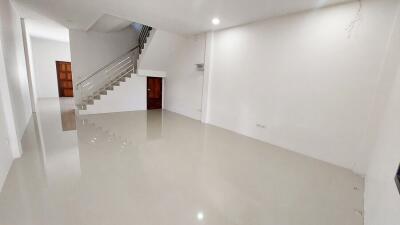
(262,126)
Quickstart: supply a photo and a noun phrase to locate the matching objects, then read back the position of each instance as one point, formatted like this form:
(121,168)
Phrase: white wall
(305,79)
(129,96)
(174,57)
(184,83)
(45,54)
(92,50)
(14,61)
(382,199)
(29,63)
(6,156)
(15,108)
(161,47)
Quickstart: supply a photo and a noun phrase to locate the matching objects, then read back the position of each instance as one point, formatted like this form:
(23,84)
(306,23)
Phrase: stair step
(88,102)
(81,107)
(97,97)
(110,88)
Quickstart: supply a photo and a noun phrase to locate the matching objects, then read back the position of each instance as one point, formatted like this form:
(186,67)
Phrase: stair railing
(106,76)
(144,33)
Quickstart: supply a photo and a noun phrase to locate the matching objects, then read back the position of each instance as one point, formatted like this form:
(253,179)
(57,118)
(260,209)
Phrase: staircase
(106,78)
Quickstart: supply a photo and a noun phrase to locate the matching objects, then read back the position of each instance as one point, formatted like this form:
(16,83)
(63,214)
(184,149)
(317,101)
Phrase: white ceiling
(182,16)
(41,26)
(107,23)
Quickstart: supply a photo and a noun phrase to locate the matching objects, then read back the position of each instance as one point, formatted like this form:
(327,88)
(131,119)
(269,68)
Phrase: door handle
(148,89)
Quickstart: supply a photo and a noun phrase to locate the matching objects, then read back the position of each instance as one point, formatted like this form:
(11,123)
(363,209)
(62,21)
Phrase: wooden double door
(154,93)
(64,77)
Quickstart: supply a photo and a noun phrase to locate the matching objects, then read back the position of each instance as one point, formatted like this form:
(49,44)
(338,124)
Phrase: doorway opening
(154,93)
(64,78)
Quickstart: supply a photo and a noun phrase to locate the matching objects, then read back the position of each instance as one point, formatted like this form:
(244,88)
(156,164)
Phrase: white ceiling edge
(41,26)
(320,6)
(182,17)
(48,31)
(184,25)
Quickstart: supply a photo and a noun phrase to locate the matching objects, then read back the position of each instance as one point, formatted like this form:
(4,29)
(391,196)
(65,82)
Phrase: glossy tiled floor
(160,168)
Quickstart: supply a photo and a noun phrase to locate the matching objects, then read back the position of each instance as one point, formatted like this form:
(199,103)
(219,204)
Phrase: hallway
(157,167)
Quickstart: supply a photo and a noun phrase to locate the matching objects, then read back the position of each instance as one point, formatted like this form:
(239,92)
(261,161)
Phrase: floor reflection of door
(64,77)
(59,148)
(154,124)
(67,109)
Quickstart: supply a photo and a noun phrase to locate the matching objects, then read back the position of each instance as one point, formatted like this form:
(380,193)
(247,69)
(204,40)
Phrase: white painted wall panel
(15,104)
(15,68)
(159,51)
(184,83)
(306,79)
(6,156)
(45,54)
(382,199)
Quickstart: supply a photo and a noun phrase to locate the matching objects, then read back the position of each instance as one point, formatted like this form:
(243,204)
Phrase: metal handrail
(104,67)
(144,33)
(110,74)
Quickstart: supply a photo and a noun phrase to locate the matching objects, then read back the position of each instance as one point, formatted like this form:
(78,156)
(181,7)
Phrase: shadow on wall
(397,178)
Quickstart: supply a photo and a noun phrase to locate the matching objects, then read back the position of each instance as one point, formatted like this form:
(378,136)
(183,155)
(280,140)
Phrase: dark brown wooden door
(64,76)
(154,93)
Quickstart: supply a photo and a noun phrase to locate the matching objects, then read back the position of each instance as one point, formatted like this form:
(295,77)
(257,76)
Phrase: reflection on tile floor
(158,167)
(67,109)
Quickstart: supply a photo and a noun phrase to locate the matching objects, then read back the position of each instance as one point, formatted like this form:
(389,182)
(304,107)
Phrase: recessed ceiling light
(200,216)
(215,21)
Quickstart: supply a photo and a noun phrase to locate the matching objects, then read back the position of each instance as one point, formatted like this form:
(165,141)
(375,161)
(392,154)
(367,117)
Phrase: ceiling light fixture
(215,21)
(200,216)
